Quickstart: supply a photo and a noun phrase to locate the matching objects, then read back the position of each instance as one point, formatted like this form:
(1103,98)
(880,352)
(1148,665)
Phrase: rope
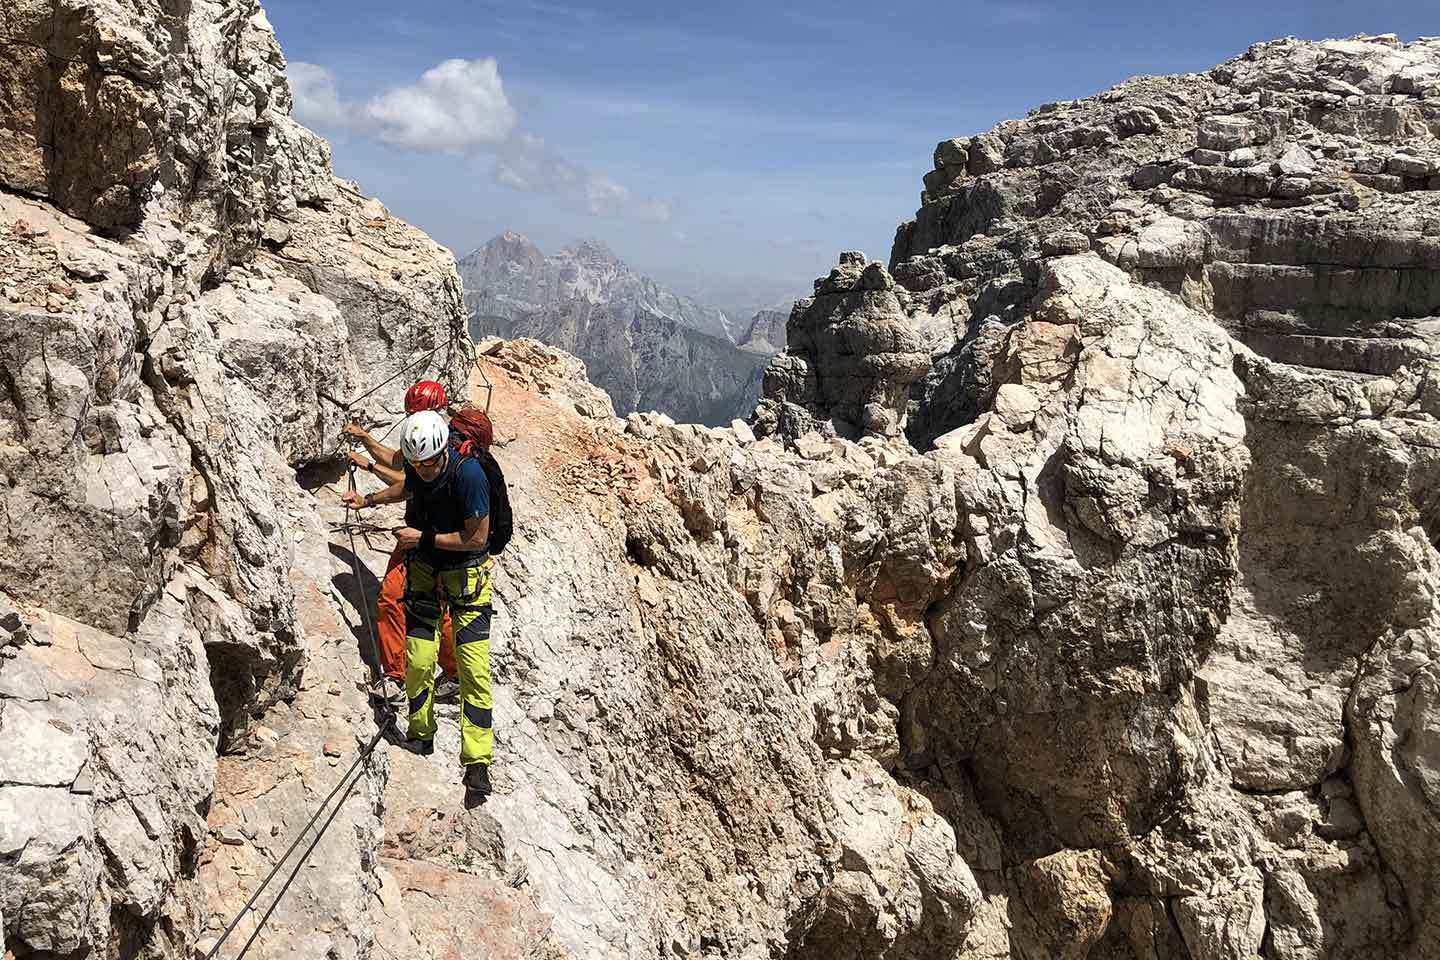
(249,904)
(387,723)
(474,364)
(360,585)
(361,527)
(364,756)
(348,404)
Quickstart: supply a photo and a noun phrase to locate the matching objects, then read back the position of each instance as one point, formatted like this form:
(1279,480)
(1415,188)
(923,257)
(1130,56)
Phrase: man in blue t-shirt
(459,492)
(447,534)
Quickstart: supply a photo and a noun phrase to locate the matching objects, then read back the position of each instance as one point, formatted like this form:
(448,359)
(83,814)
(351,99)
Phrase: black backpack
(502,523)
(470,434)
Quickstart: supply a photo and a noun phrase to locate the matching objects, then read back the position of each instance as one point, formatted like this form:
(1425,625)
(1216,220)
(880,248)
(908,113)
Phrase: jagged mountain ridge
(646,347)
(1138,662)
(1044,321)
(510,268)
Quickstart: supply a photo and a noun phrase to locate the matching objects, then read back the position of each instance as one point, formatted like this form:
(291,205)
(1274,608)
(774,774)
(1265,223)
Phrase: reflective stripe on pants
(466,592)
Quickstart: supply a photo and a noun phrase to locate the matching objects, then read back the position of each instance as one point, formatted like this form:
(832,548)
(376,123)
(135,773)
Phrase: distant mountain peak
(503,247)
(510,267)
(647,347)
(594,250)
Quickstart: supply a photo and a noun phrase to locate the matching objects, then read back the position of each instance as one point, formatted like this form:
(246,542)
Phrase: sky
(730,151)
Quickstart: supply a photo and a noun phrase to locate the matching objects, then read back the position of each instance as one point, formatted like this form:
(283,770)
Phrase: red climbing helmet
(425,395)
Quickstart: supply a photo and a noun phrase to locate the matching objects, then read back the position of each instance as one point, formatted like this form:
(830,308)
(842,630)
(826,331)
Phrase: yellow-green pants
(466,591)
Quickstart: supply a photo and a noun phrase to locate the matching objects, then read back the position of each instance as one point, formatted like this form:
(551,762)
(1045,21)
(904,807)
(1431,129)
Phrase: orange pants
(390,623)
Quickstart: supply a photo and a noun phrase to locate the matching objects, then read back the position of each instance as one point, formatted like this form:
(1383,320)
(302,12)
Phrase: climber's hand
(354,431)
(407,538)
(360,460)
(354,499)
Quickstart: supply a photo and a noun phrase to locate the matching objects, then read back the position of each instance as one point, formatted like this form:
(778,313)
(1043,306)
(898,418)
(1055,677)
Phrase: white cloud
(460,107)
(457,105)
(507,177)
(317,103)
(527,162)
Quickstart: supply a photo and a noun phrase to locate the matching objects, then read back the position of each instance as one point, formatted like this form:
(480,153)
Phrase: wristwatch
(369,499)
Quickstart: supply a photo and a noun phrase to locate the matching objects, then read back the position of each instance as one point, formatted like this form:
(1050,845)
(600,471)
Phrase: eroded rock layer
(1078,599)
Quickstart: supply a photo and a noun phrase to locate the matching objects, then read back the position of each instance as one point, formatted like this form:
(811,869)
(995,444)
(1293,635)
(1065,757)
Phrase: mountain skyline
(646,347)
(741,315)
(729,152)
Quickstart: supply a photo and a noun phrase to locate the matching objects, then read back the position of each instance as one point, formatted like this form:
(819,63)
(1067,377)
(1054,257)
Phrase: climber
(389,611)
(449,563)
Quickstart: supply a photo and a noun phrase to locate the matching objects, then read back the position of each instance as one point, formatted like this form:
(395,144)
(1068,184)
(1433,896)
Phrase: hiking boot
(387,690)
(447,689)
(477,779)
(420,747)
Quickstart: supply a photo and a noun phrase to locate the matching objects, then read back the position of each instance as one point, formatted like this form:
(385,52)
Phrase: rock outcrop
(188,298)
(646,347)
(850,360)
(1285,201)
(1055,613)
(1287,193)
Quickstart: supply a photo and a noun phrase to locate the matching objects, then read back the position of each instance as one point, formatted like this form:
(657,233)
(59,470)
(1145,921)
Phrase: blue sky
(729,150)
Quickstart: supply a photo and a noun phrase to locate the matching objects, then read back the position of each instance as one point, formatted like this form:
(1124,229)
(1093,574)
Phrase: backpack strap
(452,467)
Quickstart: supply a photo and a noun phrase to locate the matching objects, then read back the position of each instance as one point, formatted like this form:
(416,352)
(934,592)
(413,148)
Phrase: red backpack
(471,433)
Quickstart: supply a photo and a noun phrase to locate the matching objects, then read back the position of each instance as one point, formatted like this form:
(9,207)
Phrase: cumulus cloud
(454,108)
(460,107)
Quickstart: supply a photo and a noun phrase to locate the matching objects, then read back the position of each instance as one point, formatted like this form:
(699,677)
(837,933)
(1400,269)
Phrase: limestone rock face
(1058,564)
(1071,602)
(1179,339)
(766,332)
(102,822)
(185,105)
(189,298)
(1275,192)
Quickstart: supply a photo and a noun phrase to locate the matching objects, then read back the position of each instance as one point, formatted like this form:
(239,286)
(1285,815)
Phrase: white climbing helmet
(423,434)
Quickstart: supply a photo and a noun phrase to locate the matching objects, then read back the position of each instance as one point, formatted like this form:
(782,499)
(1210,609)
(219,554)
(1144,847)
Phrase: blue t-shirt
(460,493)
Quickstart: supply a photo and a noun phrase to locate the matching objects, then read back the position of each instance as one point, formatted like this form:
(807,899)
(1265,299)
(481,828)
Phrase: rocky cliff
(185,289)
(646,347)
(1135,660)
(1187,325)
